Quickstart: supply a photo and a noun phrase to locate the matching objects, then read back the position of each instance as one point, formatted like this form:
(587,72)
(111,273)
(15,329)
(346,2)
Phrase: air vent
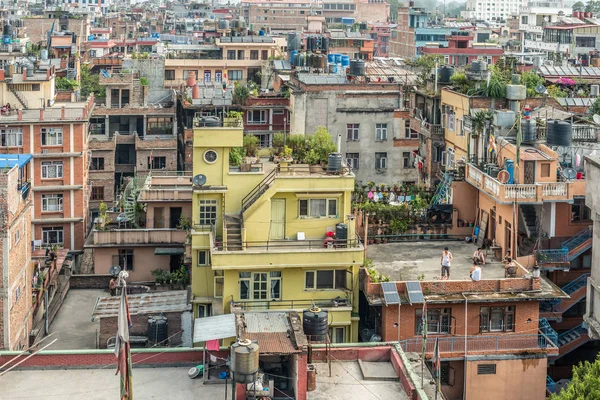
(486,369)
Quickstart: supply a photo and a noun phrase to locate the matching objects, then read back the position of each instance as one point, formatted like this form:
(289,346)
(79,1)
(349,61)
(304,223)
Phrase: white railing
(476,175)
(492,185)
(520,191)
(555,189)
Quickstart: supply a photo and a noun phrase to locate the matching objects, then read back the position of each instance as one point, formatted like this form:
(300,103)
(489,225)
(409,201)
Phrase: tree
(320,145)
(90,83)
(579,6)
(531,80)
(585,383)
(595,108)
(425,64)
(592,6)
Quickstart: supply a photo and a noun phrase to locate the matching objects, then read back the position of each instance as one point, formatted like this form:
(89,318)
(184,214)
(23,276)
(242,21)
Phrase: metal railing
(481,343)
(571,334)
(251,305)
(547,330)
(550,384)
(563,255)
(290,245)
(258,190)
(579,282)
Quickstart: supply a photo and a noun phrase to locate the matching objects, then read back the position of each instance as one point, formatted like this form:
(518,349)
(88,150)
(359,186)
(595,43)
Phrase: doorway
(277,219)
(159,217)
(175,215)
(529,173)
(175,262)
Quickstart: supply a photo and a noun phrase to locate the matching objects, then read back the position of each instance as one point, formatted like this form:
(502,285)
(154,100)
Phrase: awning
(169,251)
(211,328)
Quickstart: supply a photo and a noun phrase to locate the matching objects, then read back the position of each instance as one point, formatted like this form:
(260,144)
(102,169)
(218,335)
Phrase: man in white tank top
(446,261)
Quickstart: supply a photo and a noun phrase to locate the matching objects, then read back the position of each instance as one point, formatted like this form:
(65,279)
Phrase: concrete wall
(154,70)
(90,281)
(108,327)
(592,200)
(144,262)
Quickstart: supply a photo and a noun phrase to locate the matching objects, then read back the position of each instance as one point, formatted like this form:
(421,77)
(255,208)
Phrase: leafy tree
(240,92)
(251,145)
(585,383)
(66,84)
(236,156)
(320,145)
(579,6)
(90,83)
(531,80)
(461,83)
(595,107)
(592,6)
(425,64)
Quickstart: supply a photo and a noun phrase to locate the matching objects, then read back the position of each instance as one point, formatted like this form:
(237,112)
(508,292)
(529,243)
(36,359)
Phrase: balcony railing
(564,255)
(520,193)
(581,133)
(139,236)
(481,343)
(425,128)
(291,245)
(253,305)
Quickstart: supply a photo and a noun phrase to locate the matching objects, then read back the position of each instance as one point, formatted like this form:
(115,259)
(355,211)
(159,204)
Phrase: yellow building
(258,236)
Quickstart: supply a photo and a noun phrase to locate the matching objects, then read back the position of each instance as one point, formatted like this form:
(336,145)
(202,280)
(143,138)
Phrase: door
(175,262)
(159,217)
(277,219)
(529,172)
(175,216)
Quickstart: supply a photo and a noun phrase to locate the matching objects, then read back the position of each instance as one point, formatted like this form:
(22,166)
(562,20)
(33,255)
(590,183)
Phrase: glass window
(170,74)
(235,75)
(260,285)
(254,54)
(157,162)
(451,121)
(208,212)
(438,321)
(52,169)
(240,54)
(52,137)
(52,202)
(97,164)
(318,208)
(353,160)
(203,257)
(231,54)
(11,137)
(53,235)
(352,131)
(257,116)
(579,211)
(326,279)
(219,283)
(380,160)
(497,319)
(406,160)
(97,193)
(380,131)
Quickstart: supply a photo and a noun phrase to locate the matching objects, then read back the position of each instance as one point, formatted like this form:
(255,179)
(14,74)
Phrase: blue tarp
(10,160)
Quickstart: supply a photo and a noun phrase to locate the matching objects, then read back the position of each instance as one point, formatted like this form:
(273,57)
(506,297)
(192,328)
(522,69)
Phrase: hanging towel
(577,160)
(213,345)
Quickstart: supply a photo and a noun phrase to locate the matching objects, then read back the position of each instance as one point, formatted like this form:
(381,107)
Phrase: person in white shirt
(475,273)
(446,261)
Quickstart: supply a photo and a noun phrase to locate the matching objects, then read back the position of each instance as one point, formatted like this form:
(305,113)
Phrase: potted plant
(234,119)
(184,222)
(251,147)
(320,145)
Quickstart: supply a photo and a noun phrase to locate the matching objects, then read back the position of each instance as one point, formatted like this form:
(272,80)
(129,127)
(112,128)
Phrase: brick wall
(90,281)
(108,327)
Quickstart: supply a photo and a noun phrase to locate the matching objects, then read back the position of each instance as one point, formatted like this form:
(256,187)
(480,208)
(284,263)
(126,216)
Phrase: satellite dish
(199,180)
(596,118)
(114,270)
(541,89)
(569,173)
(503,176)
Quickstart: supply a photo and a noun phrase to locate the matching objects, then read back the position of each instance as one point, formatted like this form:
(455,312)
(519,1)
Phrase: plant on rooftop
(184,222)
(66,84)
(480,120)
(425,64)
(496,87)
(531,80)
(240,92)
(144,81)
(251,145)
(90,83)
(320,145)
(595,107)
(461,83)
(161,276)
(236,155)
(555,91)
(299,146)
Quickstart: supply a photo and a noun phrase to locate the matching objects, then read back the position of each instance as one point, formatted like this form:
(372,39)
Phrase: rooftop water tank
(223,24)
(357,68)
(293,41)
(528,131)
(244,361)
(331,58)
(325,44)
(345,60)
(445,73)
(516,92)
(293,56)
(315,324)
(334,163)
(558,133)
(157,330)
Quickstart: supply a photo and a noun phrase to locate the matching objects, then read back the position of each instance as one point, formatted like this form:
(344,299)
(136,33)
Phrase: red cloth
(213,345)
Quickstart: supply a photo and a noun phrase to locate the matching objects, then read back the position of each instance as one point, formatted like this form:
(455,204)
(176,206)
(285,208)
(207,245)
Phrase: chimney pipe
(339,143)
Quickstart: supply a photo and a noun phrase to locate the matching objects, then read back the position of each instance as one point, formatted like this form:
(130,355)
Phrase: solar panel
(415,293)
(390,293)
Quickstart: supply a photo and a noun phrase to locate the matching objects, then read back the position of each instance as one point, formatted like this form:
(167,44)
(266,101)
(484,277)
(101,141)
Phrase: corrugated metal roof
(146,303)
(567,101)
(273,342)
(266,322)
(585,72)
(322,79)
(550,112)
(279,65)
(211,328)
(246,39)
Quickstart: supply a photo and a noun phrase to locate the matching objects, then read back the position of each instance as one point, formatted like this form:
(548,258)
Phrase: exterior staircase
(528,214)
(566,341)
(18,95)
(233,224)
(258,190)
(570,249)
(576,289)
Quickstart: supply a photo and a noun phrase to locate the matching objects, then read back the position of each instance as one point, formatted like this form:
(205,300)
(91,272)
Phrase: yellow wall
(460,104)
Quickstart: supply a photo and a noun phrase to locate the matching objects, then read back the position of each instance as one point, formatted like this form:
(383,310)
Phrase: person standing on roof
(446,261)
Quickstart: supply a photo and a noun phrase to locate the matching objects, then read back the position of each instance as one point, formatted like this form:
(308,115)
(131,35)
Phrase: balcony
(570,249)
(484,344)
(534,193)
(167,188)
(425,128)
(287,305)
(581,133)
(139,236)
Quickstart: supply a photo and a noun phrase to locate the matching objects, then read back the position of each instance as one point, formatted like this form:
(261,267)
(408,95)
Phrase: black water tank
(528,131)
(558,133)
(157,330)
(341,231)
(357,67)
(315,324)
(325,44)
(444,74)
(334,162)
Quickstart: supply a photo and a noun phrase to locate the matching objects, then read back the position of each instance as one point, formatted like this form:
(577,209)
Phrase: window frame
(381,132)
(353,132)
(219,279)
(97,193)
(262,119)
(335,284)
(250,278)
(328,202)
(353,160)
(59,231)
(170,75)
(443,321)
(46,200)
(158,162)
(208,214)
(406,160)
(486,319)
(14,134)
(97,165)
(52,133)
(207,260)
(46,166)
(381,160)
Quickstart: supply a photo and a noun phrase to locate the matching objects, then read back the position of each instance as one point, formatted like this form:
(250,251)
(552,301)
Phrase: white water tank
(594,90)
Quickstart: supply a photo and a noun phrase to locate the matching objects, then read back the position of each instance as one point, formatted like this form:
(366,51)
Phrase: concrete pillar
(175,126)
(145,127)
(107,125)
(108,97)
(41,114)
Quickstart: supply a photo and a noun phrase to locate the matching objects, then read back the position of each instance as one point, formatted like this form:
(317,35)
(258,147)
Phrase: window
(352,131)
(337,334)
(406,160)
(160,126)
(208,212)
(52,169)
(497,319)
(585,42)
(260,285)
(235,75)
(409,133)
(97,193)
(327,279)
(353,160)
(124,259)
(486,369)
(380,131)
(203,310)
(210,156)
(240,54)
(257,116)
(545,171)
(52,235)
(219,282)
(18,293)
(170,74)
(203,258)
(218,76)
(254,54)
(380,160)
(52,202)
(187,71)
(157,162)
(438,321)
(264,54)
(231,54)
(11,137)
(17,236)
(579,211)
(97,164)
(318,208)
(207,75)
(451,121)
(447,374)
(52,137)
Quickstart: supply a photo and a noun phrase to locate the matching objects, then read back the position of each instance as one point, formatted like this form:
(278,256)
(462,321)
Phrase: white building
(493,10)
(533,19)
